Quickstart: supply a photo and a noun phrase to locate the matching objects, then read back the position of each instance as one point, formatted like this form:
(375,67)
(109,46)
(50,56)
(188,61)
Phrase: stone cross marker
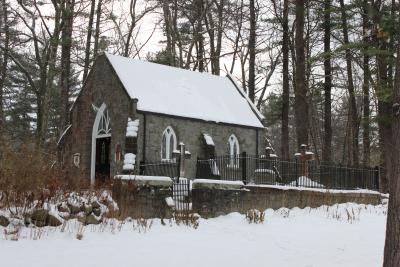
(181,154)
(304,157)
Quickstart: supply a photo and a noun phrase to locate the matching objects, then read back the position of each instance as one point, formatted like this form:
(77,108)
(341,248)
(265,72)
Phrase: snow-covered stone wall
(213,198)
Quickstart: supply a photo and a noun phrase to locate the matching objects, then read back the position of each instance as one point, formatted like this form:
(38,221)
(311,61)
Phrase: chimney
(133,108)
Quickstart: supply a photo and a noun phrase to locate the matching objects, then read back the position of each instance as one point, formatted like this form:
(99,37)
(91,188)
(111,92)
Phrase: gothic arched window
(168,144)
(233,150)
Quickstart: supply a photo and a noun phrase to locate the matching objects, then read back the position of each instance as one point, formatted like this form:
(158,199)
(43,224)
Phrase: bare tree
(88,40)
(97,28)
(215,31)
(45,45)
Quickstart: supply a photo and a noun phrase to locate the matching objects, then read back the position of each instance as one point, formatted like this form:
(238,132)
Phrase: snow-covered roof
(173,91)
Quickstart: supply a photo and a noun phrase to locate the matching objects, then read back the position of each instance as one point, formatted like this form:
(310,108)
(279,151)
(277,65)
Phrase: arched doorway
(101,144)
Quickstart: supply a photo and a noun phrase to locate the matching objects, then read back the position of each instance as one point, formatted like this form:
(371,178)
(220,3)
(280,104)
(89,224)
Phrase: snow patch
(305,181)
(208,139)
(129,162)
(264,171)
(148,180)
(132,128)
(324,236)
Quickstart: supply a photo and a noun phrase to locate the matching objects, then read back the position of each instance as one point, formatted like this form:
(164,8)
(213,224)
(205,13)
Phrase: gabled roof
(173,91)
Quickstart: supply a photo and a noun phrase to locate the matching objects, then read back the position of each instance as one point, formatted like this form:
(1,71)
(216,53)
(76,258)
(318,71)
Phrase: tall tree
(366,87)
(252,51)
(97,28)
(383,92)
(392,243)
(285,82)
(66,44)
(5,38)
(200,13)
(215,31)
(45,45)
(327,143)
(88,40)
(169,28)
(353,129)
(301,104)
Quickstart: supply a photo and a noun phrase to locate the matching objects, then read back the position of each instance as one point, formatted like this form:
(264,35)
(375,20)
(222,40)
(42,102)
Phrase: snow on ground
(342,235)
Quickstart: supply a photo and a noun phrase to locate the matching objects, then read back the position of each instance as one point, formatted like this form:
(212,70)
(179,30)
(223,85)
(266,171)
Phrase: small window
(168,144)
(233,150)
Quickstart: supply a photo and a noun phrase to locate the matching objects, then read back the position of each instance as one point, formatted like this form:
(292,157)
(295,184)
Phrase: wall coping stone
(330,191)
(161,181)
(217,184)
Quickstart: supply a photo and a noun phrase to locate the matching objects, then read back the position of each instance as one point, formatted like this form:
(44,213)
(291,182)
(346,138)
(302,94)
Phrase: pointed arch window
(168,144)
(234,151)
(104,128)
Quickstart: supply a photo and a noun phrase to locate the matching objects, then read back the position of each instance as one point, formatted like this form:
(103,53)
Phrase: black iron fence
(272,171)
(160,168)
(257,169)
(181,187)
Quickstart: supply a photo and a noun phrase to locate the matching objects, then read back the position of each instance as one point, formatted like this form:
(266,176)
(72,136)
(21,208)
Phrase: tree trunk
(327,144)
(301,104)
(48,73)
(66,43)
(168,32)
(199,34)
(97,30)
(215,34)
(392,243)
(285,83)
(353,114)
(384,95)
(220,30)
(88,41)
(4,63)
(132,11)
(252,51)
(366,77)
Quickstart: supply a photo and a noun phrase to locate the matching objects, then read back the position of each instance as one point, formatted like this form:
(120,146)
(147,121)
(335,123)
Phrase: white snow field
(343,235)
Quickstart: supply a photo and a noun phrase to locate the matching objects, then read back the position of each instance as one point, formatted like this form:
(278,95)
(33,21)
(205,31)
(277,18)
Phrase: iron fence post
(244,167)
(297,173)
(377,177)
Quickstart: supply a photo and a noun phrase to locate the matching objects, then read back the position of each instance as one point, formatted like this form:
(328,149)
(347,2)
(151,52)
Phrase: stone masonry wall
(138,200)
(101,86)
(211,202)
(190,132)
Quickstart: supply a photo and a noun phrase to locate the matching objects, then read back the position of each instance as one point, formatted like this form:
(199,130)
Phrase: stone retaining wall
(212,199)
(138,198)
(145,197)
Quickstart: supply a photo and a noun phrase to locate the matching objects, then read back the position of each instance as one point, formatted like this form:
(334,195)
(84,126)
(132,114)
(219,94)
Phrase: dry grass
(255,216)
